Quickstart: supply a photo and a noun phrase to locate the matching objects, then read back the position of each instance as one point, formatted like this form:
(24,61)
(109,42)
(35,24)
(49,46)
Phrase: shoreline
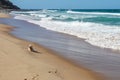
(49,61)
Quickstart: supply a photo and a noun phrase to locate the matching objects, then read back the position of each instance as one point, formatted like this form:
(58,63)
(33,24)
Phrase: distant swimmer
(31,49)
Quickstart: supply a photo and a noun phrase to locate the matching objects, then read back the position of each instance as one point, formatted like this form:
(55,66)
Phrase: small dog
(31,49)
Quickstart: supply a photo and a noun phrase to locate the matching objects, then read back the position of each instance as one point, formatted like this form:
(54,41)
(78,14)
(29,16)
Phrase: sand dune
(17,63)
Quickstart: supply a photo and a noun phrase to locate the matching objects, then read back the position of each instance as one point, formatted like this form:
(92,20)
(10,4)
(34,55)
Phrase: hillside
(6,4)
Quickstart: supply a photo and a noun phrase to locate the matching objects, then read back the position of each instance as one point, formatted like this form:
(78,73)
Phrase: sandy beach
(17,63)
(2,15)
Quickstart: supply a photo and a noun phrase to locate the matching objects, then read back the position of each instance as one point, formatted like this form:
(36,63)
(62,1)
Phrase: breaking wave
(105,36)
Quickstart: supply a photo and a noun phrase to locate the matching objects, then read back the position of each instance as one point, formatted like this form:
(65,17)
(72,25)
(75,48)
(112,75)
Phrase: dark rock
(6,4)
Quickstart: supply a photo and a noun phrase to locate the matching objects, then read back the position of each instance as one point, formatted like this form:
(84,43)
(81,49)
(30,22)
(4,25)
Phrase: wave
(105,36)
(38,15)
(22,12)
(75,12)
(63,16)
(94,13)
(75,17)
(33,12)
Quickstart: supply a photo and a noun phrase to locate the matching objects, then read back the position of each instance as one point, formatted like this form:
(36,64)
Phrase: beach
(62,32)
(17,63)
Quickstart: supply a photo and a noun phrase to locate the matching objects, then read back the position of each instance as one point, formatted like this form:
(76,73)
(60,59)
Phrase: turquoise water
(111,17)
(98,27)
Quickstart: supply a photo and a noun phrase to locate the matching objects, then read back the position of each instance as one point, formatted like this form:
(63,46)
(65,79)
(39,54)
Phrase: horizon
(70,9)
(62,4)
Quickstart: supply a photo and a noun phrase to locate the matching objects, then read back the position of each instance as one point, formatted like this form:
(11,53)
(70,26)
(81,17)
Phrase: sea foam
(94,13)
(105,36)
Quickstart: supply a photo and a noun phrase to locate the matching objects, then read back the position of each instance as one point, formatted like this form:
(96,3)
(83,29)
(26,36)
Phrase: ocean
(98,27)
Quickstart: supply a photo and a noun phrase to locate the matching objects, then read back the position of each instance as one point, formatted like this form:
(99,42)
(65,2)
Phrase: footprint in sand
(33,78)
(56,73)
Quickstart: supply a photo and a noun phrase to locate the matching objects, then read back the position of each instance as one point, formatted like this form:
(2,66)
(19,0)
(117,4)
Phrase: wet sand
(17,63)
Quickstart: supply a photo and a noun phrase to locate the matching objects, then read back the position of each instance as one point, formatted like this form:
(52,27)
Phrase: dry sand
(17,63)
(2,15)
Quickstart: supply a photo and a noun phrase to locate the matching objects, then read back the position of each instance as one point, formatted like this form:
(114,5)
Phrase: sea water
(98,27)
